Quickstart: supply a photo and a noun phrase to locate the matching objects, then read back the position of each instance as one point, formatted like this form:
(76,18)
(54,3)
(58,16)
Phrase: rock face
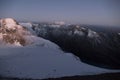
(11,32)
(96,48)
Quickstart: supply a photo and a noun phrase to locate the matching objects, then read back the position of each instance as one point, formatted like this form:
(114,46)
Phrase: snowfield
(40,63)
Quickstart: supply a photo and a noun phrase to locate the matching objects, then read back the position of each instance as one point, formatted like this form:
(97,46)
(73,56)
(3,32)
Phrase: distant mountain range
(96,46)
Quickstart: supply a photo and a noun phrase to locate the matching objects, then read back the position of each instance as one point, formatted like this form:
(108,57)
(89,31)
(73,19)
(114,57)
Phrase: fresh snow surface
(38,41)
(40,62)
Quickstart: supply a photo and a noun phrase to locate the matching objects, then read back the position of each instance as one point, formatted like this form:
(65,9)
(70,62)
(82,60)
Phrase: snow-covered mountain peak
(118,33)
(13,34)
(92,34)
(8,23)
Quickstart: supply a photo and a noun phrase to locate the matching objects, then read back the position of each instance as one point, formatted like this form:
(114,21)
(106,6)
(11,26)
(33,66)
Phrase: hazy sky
(103,12)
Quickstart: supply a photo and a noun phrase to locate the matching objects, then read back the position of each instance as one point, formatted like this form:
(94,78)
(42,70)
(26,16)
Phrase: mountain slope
(97,48)
(41,62)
